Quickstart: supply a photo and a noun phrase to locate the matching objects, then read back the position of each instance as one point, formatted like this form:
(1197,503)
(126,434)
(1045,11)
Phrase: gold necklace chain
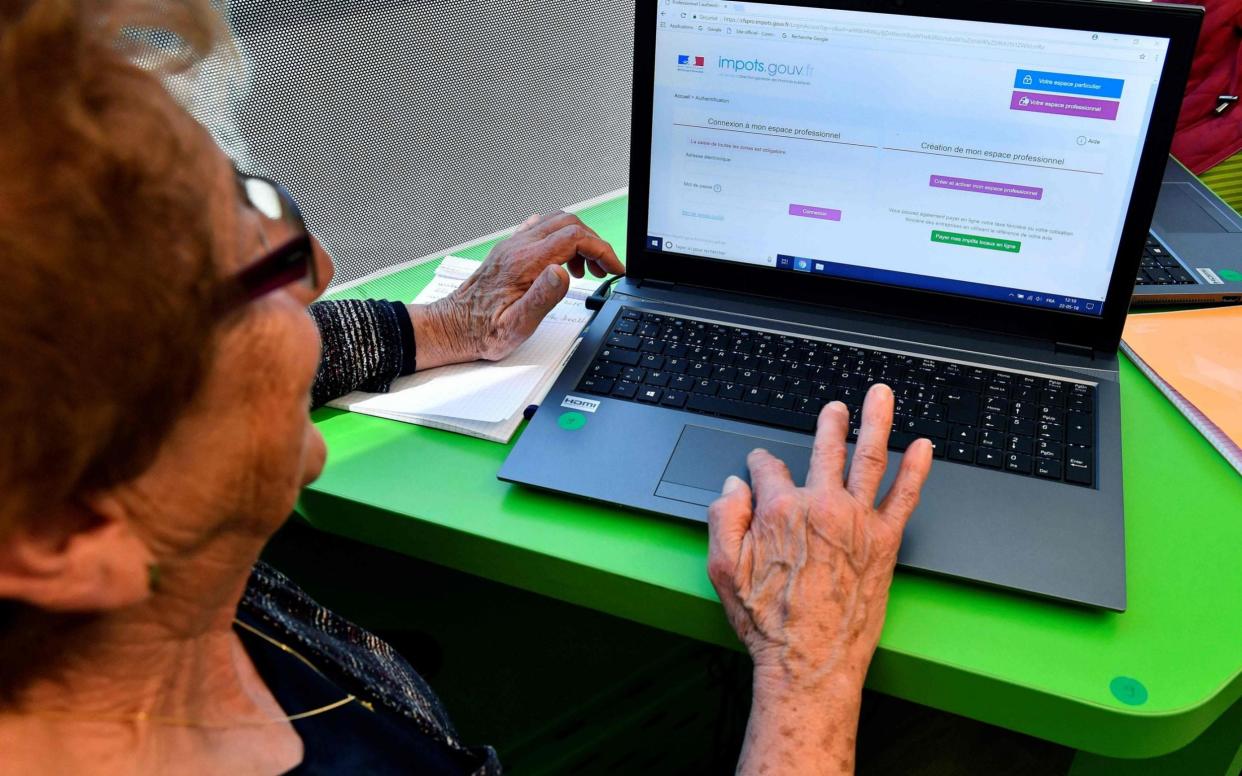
(144,717)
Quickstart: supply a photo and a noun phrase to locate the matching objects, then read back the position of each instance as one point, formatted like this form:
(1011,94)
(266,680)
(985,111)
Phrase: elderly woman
(157,356)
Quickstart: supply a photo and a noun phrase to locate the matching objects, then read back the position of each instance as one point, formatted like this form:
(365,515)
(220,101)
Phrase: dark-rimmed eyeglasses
(293,261)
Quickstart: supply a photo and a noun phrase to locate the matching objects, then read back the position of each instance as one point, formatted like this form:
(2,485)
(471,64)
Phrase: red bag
(1205,136)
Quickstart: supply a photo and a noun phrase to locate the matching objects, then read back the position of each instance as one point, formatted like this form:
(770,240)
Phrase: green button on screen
(975,241)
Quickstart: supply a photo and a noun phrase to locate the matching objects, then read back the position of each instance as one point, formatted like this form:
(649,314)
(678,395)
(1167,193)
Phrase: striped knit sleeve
(366,345)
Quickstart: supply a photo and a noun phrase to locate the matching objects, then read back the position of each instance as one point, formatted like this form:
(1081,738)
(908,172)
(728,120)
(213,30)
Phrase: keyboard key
(933,429)
(961,452)
(657,378)
(650,393)
(963,407)
(1054,431)
(605,369)
(990,439)
(784,401)
(674,398)
(627,341)
(1046,448)
(988,457)
(1079,467)
(651,361)
(625,389)
(900,440)
(757,395)
(1019,444)
(1022,409)
(1017,462)
(634,374)
(1023,426)
(619,356)
(1046,467)
(596,385)
(706,387)
(1079,430)
(774,382)
(993,420)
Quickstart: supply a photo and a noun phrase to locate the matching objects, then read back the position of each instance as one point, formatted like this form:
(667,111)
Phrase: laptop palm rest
(704,457)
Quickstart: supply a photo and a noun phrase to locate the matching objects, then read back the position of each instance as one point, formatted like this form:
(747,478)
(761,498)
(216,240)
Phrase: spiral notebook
(1195,358)
(482,399)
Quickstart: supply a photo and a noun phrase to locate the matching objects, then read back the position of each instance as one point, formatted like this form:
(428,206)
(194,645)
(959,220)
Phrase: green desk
(1142,684)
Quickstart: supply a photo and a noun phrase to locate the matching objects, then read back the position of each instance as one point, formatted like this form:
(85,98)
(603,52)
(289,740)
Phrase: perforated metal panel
(404,128)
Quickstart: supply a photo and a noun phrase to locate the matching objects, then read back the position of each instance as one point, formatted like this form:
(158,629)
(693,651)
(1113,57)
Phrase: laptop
(1194,252)
(948,197)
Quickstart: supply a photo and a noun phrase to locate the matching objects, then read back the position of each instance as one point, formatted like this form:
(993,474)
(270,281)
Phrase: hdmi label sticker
(578,403)
(1209,276)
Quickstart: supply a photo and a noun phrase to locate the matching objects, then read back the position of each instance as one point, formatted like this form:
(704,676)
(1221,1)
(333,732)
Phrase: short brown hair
(106,248)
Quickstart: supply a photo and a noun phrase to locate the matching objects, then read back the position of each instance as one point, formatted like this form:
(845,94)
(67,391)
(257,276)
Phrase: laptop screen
(988,160)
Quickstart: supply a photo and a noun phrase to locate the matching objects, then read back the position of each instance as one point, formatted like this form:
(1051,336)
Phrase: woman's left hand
(502,303)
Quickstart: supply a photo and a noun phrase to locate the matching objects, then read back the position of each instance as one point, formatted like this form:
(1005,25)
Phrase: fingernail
(731,483)
(758,450)
(880,388)
(836,406)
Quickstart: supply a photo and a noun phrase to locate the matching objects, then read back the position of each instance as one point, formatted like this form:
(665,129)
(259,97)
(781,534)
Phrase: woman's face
(246,446)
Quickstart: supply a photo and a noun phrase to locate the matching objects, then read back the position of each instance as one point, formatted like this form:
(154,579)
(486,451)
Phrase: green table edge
(1081,722)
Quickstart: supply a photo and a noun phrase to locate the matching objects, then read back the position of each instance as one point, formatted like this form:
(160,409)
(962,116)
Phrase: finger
(574,266)
(577,241)
(553,222)
(728,520)
(770,480)
(903,495)
(871,453)
(523,316)
(828,453)
(596,269)
(528,223)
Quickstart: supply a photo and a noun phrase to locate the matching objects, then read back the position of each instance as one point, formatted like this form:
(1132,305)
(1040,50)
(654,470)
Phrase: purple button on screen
(1064,105)
(986,187)
(807,211)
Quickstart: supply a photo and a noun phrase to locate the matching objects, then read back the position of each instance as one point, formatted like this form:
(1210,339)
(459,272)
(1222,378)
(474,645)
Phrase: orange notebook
(1195,358)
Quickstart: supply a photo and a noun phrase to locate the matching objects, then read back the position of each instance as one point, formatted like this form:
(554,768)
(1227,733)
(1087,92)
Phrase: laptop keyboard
(976,416)
(1159,268)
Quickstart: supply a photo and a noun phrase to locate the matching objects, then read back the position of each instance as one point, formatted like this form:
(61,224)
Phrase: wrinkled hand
(804,573)
(502,303)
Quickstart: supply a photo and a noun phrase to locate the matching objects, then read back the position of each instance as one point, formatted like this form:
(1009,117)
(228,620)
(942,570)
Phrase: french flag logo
(689,61)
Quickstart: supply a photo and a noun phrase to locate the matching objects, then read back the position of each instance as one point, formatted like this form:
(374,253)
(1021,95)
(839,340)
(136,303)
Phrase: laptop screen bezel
(1179,23)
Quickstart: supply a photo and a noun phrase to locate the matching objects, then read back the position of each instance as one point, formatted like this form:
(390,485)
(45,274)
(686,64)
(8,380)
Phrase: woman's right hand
(499,306)
(803,574)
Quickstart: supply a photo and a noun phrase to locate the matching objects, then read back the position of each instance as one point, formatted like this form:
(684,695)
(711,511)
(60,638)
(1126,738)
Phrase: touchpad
(704,457)
(1184,209)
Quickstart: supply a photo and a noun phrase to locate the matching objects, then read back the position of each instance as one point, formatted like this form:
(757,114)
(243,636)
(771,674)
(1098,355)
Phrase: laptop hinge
(652,283)
(1076,350)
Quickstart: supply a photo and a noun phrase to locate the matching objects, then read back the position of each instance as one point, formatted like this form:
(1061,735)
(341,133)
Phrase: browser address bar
(891,33)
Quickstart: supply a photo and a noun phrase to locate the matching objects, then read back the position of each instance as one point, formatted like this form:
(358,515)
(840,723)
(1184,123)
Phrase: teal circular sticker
(571,421)
(1128,690)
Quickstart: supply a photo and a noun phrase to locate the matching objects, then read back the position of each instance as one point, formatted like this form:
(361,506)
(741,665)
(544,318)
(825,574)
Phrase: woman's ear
(81,557)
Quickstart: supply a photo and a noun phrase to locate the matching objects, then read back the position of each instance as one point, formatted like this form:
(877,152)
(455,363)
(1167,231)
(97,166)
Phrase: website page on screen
(987,160)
